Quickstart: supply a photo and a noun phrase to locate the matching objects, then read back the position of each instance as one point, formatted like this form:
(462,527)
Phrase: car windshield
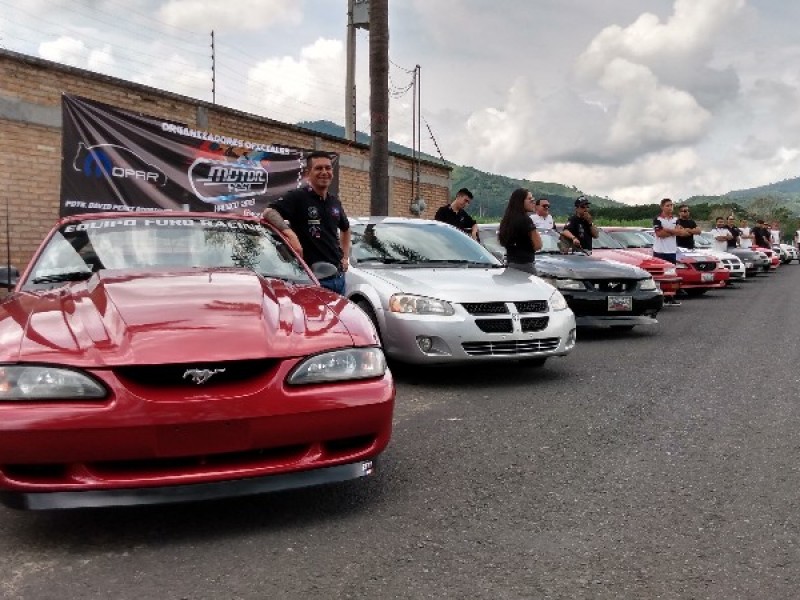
(604,241)
(416,244)
(81,248)
(701,241)
(630,239)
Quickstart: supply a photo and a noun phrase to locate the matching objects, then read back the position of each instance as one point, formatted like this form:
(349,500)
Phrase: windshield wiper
(388,261)
(59,277)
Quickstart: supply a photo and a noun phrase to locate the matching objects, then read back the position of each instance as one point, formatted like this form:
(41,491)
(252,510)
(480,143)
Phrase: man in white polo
(541,216)
(665,245)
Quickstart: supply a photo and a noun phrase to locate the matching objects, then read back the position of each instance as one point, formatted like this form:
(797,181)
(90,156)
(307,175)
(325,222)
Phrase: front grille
(534,324)
(532,306)
(705,265)
(486,308)
(172,376)
(494,325)
(511,348)
(612,285)
(655,271)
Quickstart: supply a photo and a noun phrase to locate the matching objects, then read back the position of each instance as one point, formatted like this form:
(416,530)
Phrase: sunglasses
(545,205)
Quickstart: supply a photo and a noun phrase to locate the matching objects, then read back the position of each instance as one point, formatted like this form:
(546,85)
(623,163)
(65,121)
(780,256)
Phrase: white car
(436,296)
(733,263)
(787,252)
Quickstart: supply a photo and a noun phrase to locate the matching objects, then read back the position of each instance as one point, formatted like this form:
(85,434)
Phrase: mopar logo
(220,181)
(109,160)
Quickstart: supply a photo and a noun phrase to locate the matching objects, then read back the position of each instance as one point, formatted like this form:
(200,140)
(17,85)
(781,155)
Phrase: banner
(116,160)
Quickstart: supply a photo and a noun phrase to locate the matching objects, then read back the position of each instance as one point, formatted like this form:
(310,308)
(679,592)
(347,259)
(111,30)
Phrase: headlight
(679,266)
(670,272)
(647,285)
(339,365)
(568,284)
(27,383)
(419,305)
(557,301)
(748,265)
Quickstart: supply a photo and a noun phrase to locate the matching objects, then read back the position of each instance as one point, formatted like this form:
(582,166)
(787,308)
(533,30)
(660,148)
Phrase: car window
(79,248)
(605,241)
(415,243)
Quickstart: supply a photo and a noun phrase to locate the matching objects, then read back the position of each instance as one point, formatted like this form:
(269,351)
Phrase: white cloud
(224,16)
(67,50)
(309,87)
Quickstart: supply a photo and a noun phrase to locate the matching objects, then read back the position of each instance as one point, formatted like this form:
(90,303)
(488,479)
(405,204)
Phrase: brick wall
(30,136)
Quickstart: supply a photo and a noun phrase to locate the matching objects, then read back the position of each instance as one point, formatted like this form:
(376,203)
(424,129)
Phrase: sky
(634,100)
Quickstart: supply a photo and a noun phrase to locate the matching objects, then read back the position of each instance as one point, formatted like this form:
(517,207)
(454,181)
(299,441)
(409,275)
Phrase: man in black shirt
(761,235)
(685,239)
(315,219)
(579,229)
(735,232)
(455,215)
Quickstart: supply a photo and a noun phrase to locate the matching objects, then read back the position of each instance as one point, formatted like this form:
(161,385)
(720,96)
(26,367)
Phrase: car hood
(457,284)
(121,318)
(585,267)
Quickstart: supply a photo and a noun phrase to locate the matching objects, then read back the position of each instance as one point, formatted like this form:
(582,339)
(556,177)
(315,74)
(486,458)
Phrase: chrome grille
(612,285)
(494,325)
(510,348)
(485,308)
(705,265)
(534,323)
(171,376)
(532,306)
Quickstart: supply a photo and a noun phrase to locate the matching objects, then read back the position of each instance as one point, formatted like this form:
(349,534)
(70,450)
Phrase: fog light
(571,338)
(425,344)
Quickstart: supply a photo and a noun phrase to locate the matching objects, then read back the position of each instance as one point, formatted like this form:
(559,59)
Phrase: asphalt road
(661,463)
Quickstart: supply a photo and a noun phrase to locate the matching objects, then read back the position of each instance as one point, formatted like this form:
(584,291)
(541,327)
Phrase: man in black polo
(455,215)
(315,219)
(685,238)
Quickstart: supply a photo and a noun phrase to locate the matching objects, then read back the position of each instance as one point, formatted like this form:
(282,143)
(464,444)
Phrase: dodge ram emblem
(201,375)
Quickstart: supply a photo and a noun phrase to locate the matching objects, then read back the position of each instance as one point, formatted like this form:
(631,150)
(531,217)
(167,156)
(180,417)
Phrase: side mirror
(8,277)
(324,270)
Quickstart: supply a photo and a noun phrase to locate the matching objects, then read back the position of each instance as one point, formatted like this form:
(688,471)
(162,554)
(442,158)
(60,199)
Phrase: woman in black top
(517,233)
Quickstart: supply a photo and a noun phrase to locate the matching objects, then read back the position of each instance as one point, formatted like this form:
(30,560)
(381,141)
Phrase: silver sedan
(437,296)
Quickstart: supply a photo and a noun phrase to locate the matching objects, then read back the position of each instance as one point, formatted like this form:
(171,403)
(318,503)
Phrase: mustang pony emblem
(201,375)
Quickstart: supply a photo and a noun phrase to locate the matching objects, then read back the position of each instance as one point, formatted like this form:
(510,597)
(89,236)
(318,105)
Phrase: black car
(599,292)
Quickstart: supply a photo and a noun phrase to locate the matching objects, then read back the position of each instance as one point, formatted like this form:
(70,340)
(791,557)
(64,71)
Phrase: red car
(774,259)
(662,271)
(698,272)
(165,357)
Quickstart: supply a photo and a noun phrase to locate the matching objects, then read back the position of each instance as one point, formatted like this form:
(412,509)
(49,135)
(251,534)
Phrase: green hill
(780,200)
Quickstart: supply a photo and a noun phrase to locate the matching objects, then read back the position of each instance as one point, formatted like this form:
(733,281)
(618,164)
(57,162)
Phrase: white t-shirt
(775,236)
(545,222)
(743,241)
(721,245)
(666,245)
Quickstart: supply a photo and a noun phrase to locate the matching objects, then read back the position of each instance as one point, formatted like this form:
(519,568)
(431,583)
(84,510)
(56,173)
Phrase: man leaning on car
(315,219)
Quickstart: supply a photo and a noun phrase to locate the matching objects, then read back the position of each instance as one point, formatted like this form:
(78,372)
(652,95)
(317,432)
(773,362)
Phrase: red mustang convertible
(164,357)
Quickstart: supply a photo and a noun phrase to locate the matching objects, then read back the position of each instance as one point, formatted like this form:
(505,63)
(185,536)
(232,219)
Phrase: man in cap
(579,229)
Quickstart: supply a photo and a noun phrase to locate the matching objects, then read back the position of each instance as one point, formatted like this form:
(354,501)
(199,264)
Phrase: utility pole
(379,106)
(213,70)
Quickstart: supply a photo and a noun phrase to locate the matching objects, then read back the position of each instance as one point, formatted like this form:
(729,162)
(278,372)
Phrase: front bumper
(458,339)
(186,493)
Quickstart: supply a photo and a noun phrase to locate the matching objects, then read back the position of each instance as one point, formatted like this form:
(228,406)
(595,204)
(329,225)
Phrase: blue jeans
(334,284)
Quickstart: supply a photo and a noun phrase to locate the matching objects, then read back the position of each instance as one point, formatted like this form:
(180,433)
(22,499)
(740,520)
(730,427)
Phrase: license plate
(707,277)
(620,303)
